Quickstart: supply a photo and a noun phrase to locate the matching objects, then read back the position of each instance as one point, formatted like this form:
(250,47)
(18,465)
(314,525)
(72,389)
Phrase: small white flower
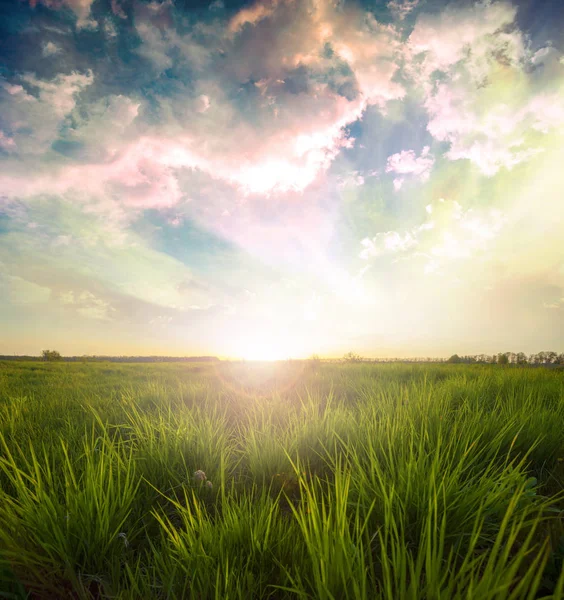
(209,484)
(124,537)
(199,476)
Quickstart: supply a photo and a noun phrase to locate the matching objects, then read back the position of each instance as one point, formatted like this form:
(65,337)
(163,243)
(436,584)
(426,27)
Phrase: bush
(51,355)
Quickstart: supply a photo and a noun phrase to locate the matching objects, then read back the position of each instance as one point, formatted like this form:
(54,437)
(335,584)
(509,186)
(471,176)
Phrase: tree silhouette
(352,357)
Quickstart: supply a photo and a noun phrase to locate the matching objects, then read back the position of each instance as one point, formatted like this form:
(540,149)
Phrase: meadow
(285,480)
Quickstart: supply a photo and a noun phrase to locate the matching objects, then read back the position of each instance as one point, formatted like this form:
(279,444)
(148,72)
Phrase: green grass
(329,481)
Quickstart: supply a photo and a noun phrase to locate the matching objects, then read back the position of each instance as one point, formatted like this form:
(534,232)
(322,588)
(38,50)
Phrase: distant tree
(352,357)
(51,355)
(454,359)
(503,358)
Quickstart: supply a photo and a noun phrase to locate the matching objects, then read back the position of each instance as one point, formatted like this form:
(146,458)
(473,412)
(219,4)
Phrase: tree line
(545,358)
(55,356)
(548,357)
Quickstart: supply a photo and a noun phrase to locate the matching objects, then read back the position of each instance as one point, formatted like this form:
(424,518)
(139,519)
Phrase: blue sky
(278,178)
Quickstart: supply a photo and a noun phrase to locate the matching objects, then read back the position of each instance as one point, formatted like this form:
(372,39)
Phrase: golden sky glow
(278,179)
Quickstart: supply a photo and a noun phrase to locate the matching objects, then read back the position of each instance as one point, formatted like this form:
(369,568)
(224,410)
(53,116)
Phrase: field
(327,481)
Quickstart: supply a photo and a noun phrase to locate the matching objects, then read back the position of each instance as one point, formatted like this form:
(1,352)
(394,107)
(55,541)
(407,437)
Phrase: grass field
(327,481)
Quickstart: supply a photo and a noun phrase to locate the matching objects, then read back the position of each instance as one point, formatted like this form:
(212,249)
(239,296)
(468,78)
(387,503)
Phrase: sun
(262,351)
(265,346)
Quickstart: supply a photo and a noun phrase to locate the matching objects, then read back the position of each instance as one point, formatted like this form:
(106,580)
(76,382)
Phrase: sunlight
(255,350)
(263,346)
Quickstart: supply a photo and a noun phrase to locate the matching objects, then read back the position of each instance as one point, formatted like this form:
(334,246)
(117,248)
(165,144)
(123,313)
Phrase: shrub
(51,355)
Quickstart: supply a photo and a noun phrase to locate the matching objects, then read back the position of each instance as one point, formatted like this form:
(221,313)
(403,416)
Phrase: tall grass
(327,481)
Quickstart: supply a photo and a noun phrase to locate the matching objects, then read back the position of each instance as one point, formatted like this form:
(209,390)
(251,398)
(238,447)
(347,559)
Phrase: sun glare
(264,347)
(262,351)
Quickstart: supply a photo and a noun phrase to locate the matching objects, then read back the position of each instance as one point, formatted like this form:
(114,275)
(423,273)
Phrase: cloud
(448,233)
(276,88)
(407,163)
(351,179)
(216,5)
(7,143)
(387,243)
(440,41)
(117,9)
(202,103)
(465,232)
(50,49)
(252,14)
(99,131)
(87,304)
(34,109)
(81,9)
(480,87)
(267,118)
(401,8)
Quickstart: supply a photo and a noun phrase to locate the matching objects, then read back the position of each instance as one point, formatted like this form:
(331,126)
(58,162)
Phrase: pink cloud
(139,177)
(281,150)
(117,9)
(295,129)
(7,143)
(252,14)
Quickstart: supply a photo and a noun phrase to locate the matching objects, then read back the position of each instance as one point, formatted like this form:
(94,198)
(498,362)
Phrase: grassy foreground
(327,481)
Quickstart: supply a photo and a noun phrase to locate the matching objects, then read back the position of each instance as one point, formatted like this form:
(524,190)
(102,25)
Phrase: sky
(279,178)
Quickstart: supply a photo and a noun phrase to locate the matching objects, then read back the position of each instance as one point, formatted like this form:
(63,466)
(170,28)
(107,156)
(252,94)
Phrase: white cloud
(472,34)
(448,233)
(401,8)
(387,243)
(50,49)
(202,103)
(351,179)
(252,14)
(480,91)
(35,115)
(407,163)
(87,304)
